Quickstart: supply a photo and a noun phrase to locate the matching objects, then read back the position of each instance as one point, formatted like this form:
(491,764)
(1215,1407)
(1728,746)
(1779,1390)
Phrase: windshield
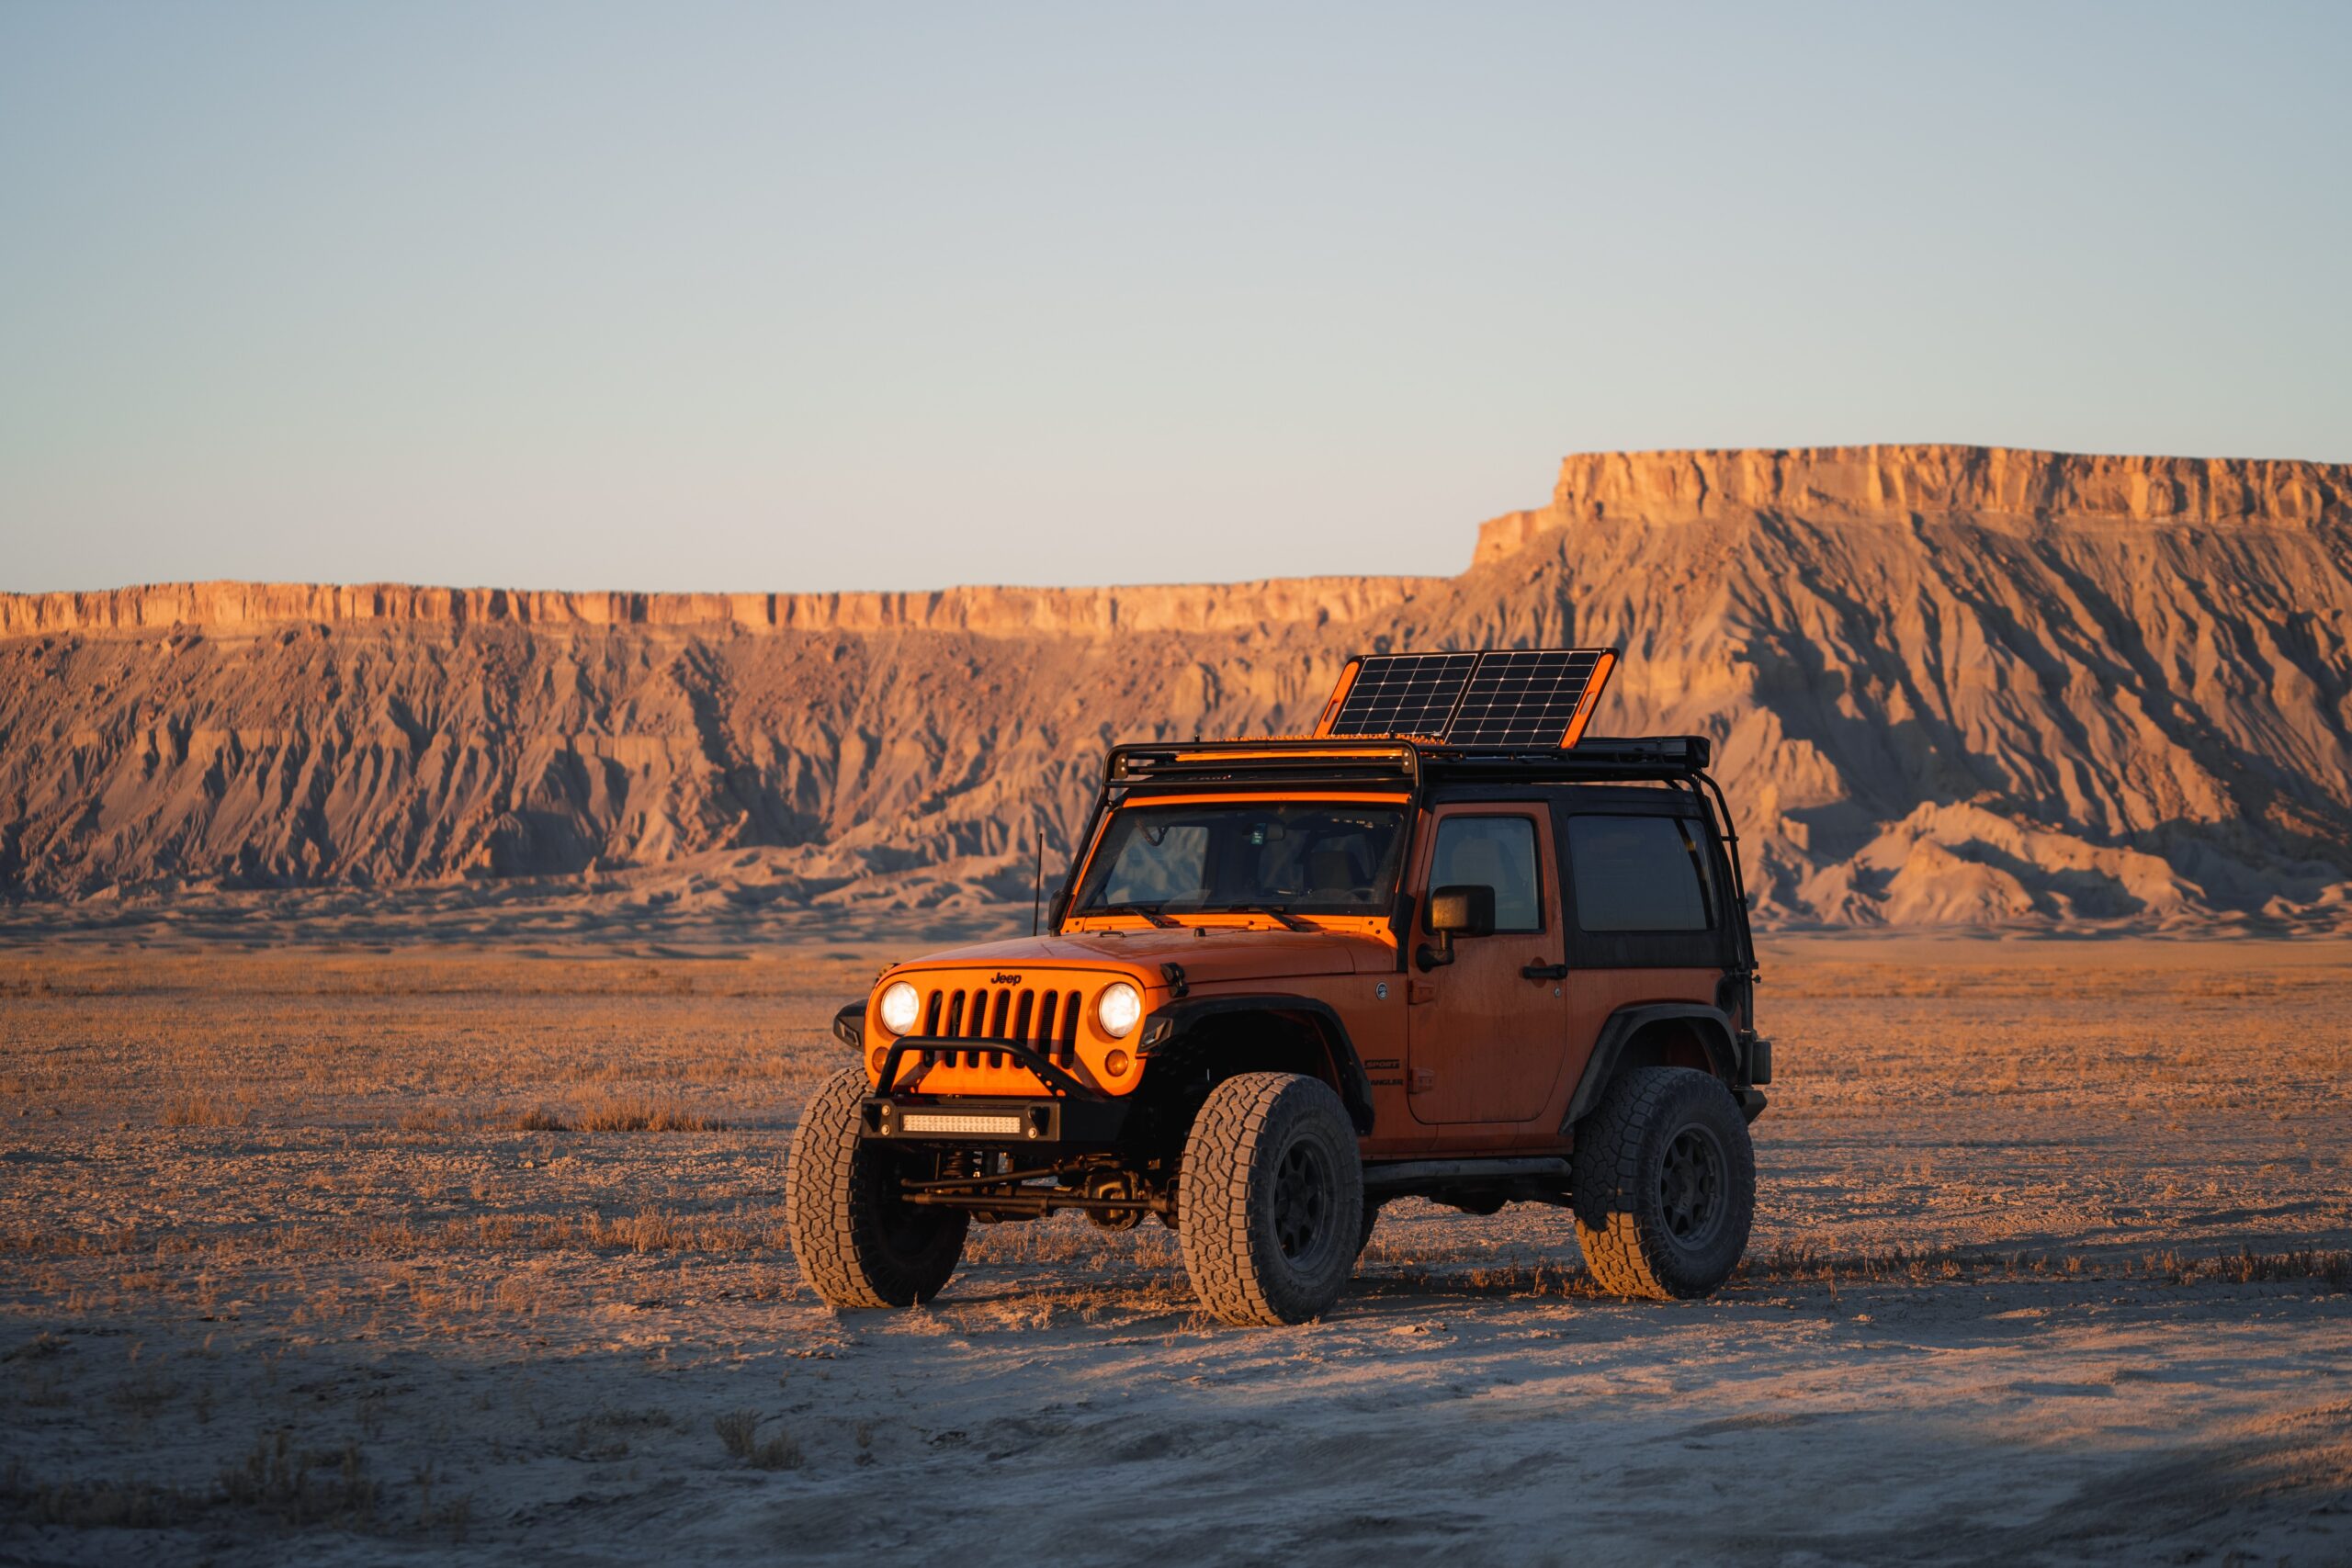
(1302,858)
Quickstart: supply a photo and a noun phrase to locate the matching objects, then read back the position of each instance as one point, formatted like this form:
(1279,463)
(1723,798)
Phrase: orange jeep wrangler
(1445,946)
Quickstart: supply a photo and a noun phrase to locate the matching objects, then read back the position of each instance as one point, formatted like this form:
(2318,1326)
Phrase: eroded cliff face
(1950,686)
(1000,612)
(1832,484)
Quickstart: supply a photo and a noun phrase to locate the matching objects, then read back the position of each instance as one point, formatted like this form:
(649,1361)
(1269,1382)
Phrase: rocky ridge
(1950,686)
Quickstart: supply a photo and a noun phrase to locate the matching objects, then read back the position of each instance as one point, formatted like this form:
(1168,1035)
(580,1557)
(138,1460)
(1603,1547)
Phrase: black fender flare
(1169,1024)
(1712,1026)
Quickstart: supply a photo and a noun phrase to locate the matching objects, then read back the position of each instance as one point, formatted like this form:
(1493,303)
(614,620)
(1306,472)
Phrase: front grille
(1046,1019)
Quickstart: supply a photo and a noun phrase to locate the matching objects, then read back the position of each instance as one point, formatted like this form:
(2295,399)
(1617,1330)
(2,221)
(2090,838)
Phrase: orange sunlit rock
(1947,684)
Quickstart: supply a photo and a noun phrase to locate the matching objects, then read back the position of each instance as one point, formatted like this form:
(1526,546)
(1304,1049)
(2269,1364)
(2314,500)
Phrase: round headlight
(900,1007)
(1119,1010)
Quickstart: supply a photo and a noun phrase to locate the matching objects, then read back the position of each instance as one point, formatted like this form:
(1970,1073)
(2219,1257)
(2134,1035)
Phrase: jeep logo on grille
(1004,979)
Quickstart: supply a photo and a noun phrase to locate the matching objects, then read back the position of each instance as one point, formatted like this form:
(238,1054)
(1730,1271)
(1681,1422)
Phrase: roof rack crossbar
(1407,763)
(1663,755)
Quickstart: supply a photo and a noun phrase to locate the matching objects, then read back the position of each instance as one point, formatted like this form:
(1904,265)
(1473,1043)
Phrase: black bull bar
(1078,1113)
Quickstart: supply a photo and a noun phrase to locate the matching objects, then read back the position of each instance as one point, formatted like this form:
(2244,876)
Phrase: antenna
(1037,886)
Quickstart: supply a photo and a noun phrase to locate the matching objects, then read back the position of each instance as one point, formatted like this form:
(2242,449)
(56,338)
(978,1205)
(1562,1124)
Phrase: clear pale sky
(753,297)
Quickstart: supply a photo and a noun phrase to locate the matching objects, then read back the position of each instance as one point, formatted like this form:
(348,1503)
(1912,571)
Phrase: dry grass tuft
(758,1228)
(642,1113)
(603,1436)
(1894,1265)
(144,1396)
(1070,1238)
(39,1348)
(1925,1266)
(454,1515)
(204,1111)
(612,1113)
(278,1480)
(739,1429)
(519,1293)
(1507,1277)
(2247,1267)
(94,1505)
(62,1243)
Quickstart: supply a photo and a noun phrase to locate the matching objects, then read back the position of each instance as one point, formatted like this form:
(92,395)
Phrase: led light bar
(959,1121)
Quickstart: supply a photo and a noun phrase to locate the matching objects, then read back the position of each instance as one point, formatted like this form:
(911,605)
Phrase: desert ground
(457,1236)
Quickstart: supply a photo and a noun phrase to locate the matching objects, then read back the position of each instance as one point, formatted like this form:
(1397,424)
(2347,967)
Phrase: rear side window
(1497,852)
(1640,874)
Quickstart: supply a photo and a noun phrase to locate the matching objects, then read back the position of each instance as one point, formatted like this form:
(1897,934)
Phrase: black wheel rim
(904,1228)
(1691,1184)
(1302,1200)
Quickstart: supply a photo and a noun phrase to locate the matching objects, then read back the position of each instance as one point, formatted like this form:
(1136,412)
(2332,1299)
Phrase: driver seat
(1331,874)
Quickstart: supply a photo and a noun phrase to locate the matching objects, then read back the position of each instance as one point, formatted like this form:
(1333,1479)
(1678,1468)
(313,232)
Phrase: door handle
(1545,971)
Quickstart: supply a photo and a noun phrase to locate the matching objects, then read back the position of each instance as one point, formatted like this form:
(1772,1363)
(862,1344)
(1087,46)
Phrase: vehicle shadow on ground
(1989,1305)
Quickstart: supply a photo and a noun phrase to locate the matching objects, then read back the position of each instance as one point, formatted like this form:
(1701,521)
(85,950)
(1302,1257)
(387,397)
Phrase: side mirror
(1458,910)
(1463,910)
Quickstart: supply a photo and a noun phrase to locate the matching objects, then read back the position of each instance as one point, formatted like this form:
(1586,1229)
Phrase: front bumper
(987,1119)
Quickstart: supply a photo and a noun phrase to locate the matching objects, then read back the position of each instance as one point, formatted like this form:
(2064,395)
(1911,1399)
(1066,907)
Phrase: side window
(1497,852)
(1640,874)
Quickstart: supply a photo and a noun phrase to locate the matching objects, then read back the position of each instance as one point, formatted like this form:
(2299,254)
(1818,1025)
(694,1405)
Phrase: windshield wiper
(1146,910)
(1290,922)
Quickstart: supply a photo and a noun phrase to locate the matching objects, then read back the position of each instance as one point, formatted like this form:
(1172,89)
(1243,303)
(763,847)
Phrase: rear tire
(859,1243)
(1665,1185)
(1272,1200)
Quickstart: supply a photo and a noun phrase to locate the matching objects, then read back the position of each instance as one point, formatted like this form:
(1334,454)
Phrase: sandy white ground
(335,1338)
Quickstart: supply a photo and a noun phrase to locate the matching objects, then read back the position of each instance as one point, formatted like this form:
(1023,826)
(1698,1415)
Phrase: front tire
(859,1241)
(1272,1193)
(1665,1185)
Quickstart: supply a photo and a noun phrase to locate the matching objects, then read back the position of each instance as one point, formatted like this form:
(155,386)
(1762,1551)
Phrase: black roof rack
(1255,763)
(1399,763)
(1595,757)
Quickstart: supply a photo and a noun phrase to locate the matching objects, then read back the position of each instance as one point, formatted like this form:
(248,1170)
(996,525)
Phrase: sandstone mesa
(1949,685)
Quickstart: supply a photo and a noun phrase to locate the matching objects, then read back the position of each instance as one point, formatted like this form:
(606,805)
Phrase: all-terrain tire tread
(828,1210)
(1616,1205)
(1214,1224)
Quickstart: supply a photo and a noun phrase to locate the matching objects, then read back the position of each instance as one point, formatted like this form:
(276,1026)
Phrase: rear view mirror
(1457,909)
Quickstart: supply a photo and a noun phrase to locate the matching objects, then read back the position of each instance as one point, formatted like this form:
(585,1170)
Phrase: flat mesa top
(1493,698)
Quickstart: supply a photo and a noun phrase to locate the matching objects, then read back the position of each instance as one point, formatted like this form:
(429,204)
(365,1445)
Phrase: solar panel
(1523,698)
(1499,697)
(1403,693)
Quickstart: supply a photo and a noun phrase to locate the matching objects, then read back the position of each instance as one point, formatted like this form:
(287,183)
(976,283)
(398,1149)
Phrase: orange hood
(1210,954)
